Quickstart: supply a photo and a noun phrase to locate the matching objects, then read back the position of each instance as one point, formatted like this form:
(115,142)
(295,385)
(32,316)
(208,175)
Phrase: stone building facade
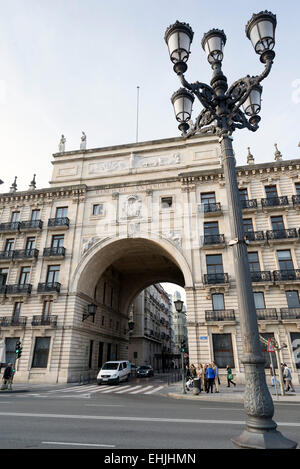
(116,220)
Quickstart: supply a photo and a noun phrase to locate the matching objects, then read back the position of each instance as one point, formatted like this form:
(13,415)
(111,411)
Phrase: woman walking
(229,376)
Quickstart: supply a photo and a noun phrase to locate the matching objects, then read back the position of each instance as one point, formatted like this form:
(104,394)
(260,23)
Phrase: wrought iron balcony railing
(261,276)
(248,204)
(275,201)
(212,279)
(6,255)
(290,313)
(214,239)
(25,254)
(11,321)
(10,226)
(44,321)
(18,288)
(54,251)
(266,313)
(57,222)
(2,289)
(220,315)
(286,275)
(290,233)
(212,207)
(49,286)
(255,236)
(31,225)
(296,199)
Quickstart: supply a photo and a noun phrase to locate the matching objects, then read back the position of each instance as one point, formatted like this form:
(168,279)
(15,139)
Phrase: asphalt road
(41,419)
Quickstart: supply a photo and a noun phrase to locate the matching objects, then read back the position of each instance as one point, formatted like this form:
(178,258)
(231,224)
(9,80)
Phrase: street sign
(270,346)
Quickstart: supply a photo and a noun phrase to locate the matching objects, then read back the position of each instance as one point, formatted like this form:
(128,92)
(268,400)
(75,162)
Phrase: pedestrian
(193,371)
(200,375)
(229,376)
(187,372)
(288,378)
(217,379)
(205,381)
(273,376)
(7,375)
(210,375)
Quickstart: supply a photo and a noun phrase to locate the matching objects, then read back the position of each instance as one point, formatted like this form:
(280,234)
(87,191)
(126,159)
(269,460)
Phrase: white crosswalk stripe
(155,390)
(141,390)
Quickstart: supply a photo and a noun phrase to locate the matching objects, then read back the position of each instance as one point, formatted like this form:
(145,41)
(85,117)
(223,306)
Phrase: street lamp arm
(204,92)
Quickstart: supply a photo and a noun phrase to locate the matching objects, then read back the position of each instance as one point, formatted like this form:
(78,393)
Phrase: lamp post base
(272,439)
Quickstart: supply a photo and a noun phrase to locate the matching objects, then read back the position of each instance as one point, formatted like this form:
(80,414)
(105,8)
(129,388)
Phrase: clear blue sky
(73,65)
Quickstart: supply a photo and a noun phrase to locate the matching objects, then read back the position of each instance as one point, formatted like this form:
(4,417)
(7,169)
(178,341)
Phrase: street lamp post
(222,115)
(178,306)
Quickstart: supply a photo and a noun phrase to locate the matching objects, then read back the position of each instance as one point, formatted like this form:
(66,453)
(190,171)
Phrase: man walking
(6,376)
(288,378)
(217,382)
(210,374)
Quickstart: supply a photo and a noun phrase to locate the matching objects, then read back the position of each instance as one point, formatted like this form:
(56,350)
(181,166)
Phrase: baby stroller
(189,385)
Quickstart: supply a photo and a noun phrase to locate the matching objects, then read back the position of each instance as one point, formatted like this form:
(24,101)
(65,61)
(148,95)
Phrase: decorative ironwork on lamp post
(222,115)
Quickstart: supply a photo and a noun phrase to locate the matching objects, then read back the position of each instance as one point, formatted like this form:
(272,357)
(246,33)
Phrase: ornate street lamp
(178,306)
(222,114)
(90,312)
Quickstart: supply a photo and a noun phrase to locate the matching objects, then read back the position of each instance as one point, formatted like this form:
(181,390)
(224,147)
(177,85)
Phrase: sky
(68,66)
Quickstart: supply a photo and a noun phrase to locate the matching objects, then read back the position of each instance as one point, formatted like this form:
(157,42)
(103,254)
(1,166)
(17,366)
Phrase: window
(259,300)
(100,355)
(103,321)
(211,228)
(57,241)
(10,347)
(292,297)
(295,340)
(277,223)
(41,352)
(253,262)
(218,301)
(91,354)
(17,311)
(166,202)
(214,264)
(47,309)
(30,243)
(53,273)
(271,191)
(248,225)
(61,212)
(243,194)
(297,186)
(111,297)
(98,209)
(208,198)
(108,352)
(35,215)
(24,276)
(3,276)
(104,291)
(222,349)
(9,245)
(15,217)
(285,260)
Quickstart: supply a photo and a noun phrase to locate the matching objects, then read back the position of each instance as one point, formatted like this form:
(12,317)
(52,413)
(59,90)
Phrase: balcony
(44,321)
(290,313)
(25,254)
(2,289)
(57,252)
(275,202)
(249,205)
(296,200)
(31,225)
(220,315)
(10,321)
(214,240)
(10,227)
(212,209)
(255,236)
(6,256)
(59,223)
(261,276)
(264,314)
(286,275)
(279,235)
(49,287)
(215,279)
(19,289)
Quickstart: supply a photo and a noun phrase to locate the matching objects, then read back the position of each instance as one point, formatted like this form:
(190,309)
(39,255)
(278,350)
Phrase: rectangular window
(100,355)
(98,209)
(61,212)
(248,225)
(277,223)
(108,352)
(223,351)
(15,217)
(24,276)
(10,348)
(208,198)
(218,301)
(17,311)
(295,340)
(259,300)
(91,354)
(297,186)
(211,228)
(166,202)
(214,264)
(35,215)
(41,352)
(9,245)
(57,241)
(47,309)
(271,191)
(243,194)
(292,298)
(30,242)
(103,321)
(111,297)
(104,292)
(253,262)
(53,273)
(3,276)
(285,260)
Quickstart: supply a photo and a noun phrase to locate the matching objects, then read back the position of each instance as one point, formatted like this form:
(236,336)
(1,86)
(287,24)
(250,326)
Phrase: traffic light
(183,346)
(18,349)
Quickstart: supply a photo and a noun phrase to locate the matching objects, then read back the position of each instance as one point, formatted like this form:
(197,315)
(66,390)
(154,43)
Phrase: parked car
(144,371)
(134,368)
(114,372)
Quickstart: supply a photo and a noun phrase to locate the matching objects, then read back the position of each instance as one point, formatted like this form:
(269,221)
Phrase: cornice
(47,194)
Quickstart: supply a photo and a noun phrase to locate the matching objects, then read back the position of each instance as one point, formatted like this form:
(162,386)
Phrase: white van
(114,372)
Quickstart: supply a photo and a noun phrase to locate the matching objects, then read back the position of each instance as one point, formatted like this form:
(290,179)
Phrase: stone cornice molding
(44,195)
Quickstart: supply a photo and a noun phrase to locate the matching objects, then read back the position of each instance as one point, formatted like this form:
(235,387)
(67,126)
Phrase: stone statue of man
(83,142)
(62,144)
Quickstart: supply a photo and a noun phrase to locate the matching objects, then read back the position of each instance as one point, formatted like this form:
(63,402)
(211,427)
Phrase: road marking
(75,444)
(141,390)
(109,390)
(124,389)
(155,390)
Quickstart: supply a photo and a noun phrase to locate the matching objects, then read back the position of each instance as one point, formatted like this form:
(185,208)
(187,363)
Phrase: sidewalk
(232,394)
